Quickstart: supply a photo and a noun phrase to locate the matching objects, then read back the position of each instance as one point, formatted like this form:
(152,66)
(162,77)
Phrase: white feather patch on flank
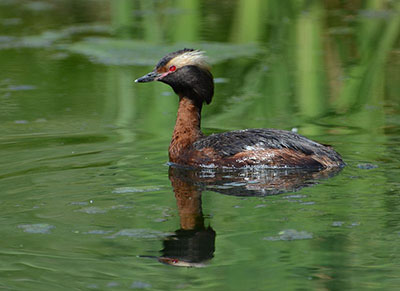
(194,58)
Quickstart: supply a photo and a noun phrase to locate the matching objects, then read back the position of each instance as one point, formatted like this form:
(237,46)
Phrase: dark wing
(233,142)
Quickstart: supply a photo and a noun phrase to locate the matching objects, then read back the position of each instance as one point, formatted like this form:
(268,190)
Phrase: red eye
(172,68)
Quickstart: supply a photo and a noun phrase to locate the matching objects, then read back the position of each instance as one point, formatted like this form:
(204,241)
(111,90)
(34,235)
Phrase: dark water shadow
(193,245)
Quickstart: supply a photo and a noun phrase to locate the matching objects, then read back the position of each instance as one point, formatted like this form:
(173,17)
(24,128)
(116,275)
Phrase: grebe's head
(187,72)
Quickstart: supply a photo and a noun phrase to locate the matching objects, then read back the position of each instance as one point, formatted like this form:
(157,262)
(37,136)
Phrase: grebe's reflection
(193,244)
(249,182)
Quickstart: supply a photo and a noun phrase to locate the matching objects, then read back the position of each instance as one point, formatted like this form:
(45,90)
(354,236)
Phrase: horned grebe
(188,73)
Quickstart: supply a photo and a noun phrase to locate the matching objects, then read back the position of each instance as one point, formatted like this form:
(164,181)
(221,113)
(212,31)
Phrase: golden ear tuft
(191,58)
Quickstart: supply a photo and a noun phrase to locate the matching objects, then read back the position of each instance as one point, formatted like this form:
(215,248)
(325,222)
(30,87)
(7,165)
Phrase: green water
(88,201)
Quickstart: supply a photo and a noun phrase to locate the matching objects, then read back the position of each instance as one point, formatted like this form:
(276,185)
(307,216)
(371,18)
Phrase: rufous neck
(187,127)
(188,119)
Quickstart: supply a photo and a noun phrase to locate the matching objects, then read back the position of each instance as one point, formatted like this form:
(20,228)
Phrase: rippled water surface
(88,200)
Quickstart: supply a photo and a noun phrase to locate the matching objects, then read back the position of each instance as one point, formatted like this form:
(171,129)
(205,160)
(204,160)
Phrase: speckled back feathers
(231,143)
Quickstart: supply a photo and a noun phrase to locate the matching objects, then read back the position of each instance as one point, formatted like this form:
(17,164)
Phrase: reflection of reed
(321,57)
